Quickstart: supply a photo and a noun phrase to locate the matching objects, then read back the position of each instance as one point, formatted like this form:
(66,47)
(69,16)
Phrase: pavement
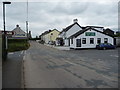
(46,67)
(12,70)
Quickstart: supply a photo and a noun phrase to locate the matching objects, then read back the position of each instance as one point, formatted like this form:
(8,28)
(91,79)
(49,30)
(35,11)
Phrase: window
(98,40)
(83,40)
(72,41)
(105,40)
(51,33)
(91,40)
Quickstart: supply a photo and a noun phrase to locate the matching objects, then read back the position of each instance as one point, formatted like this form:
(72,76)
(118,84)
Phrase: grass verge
(17,45)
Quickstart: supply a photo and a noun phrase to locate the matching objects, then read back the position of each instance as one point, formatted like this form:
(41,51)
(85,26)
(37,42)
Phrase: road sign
(8,32)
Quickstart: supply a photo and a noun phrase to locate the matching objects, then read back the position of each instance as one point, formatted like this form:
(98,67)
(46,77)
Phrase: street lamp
(4,36)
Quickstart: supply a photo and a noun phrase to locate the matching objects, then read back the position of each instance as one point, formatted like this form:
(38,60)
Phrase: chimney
(75,20)
(17,25)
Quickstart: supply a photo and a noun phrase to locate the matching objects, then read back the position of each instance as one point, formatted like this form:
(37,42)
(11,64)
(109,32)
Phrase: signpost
(4,49)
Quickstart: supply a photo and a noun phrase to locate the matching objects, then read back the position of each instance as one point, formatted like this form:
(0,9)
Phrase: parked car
(105,46)
(51,42)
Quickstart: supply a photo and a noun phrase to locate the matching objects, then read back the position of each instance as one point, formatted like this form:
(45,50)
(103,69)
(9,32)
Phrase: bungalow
(89,38)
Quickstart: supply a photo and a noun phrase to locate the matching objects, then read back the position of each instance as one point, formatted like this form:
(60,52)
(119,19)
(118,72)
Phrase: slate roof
(18,29)
(84,30)
(95,26)
(70,26)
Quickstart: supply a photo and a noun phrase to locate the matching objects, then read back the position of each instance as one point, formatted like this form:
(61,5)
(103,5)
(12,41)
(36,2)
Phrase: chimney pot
(17,25)
(75,20)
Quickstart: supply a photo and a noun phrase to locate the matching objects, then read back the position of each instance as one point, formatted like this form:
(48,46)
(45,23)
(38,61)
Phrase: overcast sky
(44,15)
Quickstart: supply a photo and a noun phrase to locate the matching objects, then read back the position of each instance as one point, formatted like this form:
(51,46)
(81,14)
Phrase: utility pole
(27,21)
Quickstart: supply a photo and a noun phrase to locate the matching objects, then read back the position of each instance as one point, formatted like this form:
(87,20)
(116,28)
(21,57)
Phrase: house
(89,38)
(109,32)
(68,31)
(96,27)
(19,33)
(49,36)
(52,35)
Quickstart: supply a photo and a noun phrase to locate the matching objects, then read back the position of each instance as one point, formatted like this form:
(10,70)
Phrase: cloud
(59,14)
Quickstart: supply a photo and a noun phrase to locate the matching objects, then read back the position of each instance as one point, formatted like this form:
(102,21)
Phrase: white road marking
(70,62)
(25,52)
(24,55)
(22,52)
(108,78)
(114,56)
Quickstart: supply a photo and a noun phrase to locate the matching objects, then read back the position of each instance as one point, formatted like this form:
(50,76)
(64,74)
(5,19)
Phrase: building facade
(49,36)
(76,36)
(68,31)
(89,38)
(19,33)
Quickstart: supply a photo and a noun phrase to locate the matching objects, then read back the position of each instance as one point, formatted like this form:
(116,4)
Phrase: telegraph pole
(27,21)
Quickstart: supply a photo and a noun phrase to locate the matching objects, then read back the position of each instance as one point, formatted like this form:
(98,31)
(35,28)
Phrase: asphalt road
(12,70)
(46,67)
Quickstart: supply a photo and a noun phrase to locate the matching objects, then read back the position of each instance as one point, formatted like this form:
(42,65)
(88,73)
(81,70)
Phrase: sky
(44,15)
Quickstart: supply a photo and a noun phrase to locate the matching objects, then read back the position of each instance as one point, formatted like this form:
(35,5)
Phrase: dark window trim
(92,40)
(106,41)
(83,40)
(98,39)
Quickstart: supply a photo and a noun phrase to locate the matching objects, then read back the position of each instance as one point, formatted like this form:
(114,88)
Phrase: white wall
(73,30)
(66,42)
(74,43)
(88,45)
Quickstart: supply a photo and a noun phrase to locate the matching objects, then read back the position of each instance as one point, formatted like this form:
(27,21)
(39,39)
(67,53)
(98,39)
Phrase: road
(46,67)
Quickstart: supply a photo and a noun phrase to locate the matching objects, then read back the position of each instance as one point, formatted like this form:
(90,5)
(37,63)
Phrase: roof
(18,29)
(70,26)
(95,26)
(46,32)
(84,30)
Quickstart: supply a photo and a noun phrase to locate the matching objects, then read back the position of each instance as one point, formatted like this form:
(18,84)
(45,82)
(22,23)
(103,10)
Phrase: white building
(68,31)
(19,33)
(89,38)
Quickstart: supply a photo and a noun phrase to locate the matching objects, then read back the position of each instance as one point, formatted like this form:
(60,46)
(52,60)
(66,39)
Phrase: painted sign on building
(90,34)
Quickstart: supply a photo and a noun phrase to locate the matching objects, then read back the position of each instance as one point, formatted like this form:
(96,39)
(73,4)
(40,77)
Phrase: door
(78,42)
(68,42)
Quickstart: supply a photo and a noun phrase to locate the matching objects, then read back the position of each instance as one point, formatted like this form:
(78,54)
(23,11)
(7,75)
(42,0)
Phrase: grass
(17,45)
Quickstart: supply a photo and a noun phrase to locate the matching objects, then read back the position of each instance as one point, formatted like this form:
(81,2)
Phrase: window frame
(98,40)
(106,41)
(92,40)
(83,40)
